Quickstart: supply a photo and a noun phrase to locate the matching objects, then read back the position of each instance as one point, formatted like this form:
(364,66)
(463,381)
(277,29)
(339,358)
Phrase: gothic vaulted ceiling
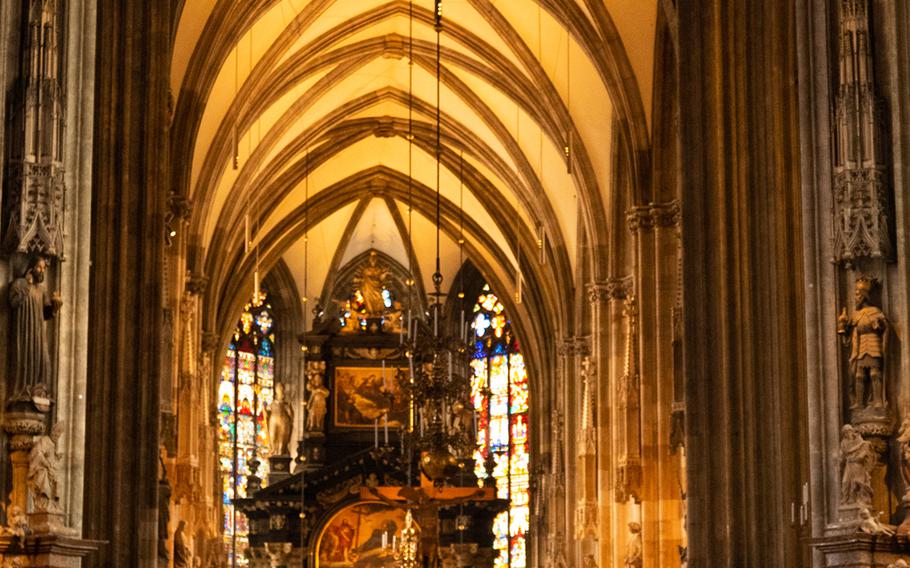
(319,117)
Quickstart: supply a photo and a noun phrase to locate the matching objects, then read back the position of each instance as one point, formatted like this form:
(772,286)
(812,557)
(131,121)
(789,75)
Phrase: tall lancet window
(244,393)
(499,389)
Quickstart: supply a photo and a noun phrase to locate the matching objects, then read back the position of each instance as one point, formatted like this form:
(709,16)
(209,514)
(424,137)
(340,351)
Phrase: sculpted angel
(43,463)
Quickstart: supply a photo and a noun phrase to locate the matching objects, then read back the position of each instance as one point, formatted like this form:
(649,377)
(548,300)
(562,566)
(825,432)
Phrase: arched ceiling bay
(335,100)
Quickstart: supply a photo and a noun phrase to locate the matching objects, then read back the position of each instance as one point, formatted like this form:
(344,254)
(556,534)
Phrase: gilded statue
(371,279)
(280,420)
(31,306)
(867,332)
(43,463)
(316,405)
(857,459)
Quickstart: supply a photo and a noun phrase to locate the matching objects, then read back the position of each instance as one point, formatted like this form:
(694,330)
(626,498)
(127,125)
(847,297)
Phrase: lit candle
(376,433)
(385,539)
(385,428)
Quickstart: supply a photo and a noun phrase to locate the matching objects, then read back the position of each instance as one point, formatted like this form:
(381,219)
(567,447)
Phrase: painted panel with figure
(360,536)
(363,394)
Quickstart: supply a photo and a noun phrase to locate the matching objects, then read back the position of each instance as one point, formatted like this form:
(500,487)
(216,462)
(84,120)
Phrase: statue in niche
(371,279)
(280,420)
(633,558)
(903,440)
(42,471)
(164,513)
(31,305)
(182,554)
(857,459)
(316,405)
(867,332)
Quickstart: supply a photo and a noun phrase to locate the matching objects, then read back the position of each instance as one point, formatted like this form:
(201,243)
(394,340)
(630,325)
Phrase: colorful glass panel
(499,391)
(244,393)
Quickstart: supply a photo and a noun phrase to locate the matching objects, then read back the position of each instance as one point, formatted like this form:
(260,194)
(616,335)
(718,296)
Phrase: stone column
(563,489)
(21,422)
(607,347)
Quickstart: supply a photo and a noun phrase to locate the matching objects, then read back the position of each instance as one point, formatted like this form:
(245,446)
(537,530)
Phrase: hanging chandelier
(442,426)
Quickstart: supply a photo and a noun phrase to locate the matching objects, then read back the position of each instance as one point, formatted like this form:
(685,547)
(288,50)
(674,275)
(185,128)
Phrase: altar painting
(355,536)
(363,394)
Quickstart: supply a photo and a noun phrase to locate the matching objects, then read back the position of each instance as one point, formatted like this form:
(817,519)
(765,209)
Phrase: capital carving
(196,283)
(639,218)
(210,341)
(612,289)
(647,217)
(575,347)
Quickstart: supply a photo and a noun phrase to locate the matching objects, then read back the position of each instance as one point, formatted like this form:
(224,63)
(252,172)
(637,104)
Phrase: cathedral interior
(454,283)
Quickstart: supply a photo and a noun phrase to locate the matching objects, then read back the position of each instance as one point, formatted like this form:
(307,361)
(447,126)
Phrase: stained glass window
(244,393)
(499,390)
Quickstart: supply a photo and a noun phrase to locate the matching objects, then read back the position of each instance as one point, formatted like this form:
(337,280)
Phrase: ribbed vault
(276,100)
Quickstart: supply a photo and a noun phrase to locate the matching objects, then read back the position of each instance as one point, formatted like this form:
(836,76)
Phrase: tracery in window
(499,390)
(245,391)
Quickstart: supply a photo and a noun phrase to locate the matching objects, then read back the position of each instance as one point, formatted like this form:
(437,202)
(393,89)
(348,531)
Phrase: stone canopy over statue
(866,331)
(31,305)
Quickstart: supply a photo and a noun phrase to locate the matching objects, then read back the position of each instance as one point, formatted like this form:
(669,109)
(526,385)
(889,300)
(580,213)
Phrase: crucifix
(424,502)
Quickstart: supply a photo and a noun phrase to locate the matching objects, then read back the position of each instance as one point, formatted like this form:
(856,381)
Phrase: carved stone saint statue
(42,471)
(280,418)
(370,279)
(182,554)
(634,551)
(867,331)
(316,405)
(903,440)
(31,305)
(857,459)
